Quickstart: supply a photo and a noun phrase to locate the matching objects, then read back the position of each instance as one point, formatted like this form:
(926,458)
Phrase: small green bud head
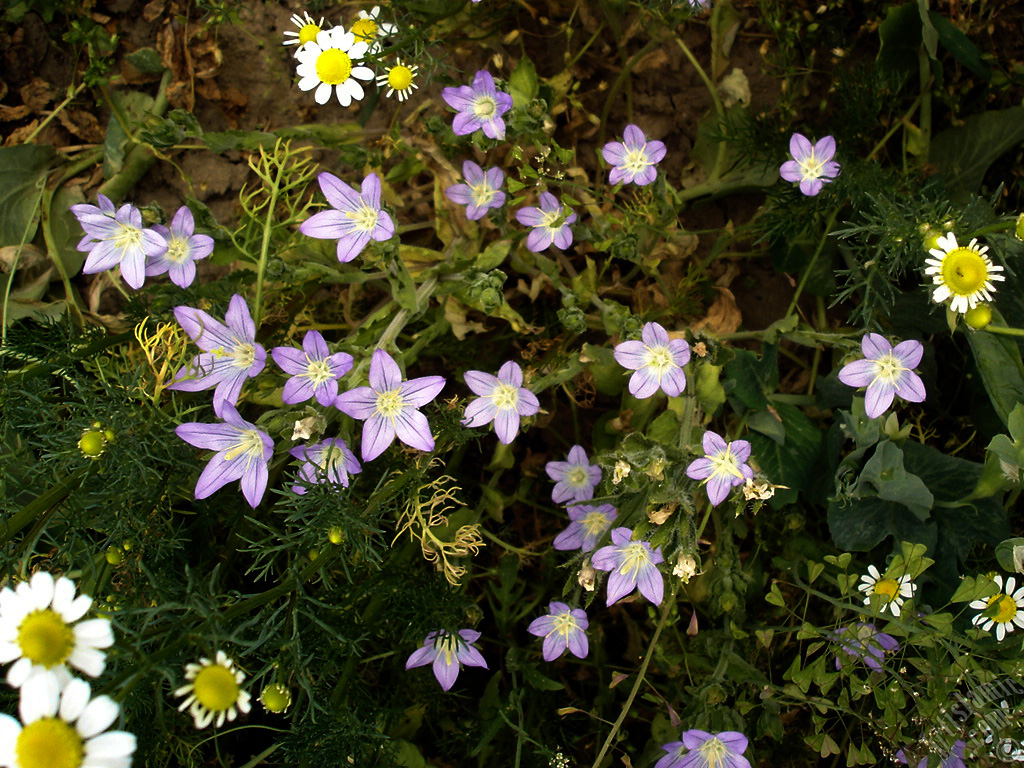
(1019,229)
(276,698)
(114,556)
(336,535)
(92,444)
(979,317)
(314,553)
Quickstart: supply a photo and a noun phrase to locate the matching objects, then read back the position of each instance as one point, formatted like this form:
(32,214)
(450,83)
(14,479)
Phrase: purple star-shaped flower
(700,749)
(354,219)
(389,405)
(502,399)
(230,353)
(481,192)
(862,641)
(184,249)
(447,652)
(588,525)
(564,628)
(116,238)
(550,224)
(633,565)
(812,165)
(633,158)
(314,370)
(657,360)
(242,453)
(955,758)
(328,461)
(575,479)
(886,372)
(479,106)
(724,466)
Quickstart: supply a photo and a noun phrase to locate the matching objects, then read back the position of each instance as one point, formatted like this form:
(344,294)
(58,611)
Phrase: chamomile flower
(214,691)
(328,64)
(369,29)
(1003,609)
(308,30)
(891,591)
(399,79)
(41,631)
(962,275)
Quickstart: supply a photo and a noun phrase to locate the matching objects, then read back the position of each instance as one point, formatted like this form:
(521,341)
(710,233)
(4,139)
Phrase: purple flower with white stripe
(354,219)
(812,165)
(117,238)
(564,628)
(479,106)
(953,759)
(447,653)
(481,192)
(230,353)
(329,461)
(388,407)
(700,749)
(633,565)
(550,224)
(575,479)
(633,158)
(887,372)
(184,249)
(242,453)
(657,360)
(724,466)
(502,399)
(588,525)
(314,370)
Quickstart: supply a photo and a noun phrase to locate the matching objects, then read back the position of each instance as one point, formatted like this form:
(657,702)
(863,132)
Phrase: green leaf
(999,362)
(66,230)
(775,597)
(750,378)
(972,588)
(929,35)
(536,680)
(24,173)
(1010,554)
(135,105)
(793,463)
(964,153)
(899,36)
(890,480)
(146,60)
(958,44)
(522,83)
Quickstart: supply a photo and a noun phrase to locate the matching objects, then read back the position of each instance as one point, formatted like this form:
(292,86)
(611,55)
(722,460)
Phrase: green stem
(1004,331)
(814,258)
(268,228)
(56,111)
(41,505)
(716,172)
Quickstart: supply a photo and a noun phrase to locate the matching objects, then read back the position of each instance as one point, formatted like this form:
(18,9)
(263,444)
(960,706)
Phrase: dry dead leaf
(13,113)
(37,94)
(82,124)
(153,10)
(723,316)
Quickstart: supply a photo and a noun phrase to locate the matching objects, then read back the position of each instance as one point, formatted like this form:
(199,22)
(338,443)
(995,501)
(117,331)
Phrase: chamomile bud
(979,317)
(276,698)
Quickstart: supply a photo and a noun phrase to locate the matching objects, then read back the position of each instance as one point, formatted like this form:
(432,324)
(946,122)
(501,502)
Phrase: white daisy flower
(400,79)
(962,273)
(1004,609)
(308,30)
(214,691)
(328,63)
(66,728)
(41,633)
(892,592)
(370,30)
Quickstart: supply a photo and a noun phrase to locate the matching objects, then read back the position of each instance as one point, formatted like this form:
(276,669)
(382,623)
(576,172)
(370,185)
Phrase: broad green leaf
(24,173)
(972,588)
(794,463)
(885,472)
(135,105)
(67,232)
(958,44)
(999,362)
(775,597)
(750,378)
(522,83)
(929,35)
(964,153)
(1010,554)
(899,36)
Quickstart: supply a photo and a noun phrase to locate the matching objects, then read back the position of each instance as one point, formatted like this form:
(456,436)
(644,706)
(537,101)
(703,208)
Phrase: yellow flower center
(244,355)
(249,442)
(276,697)
(725,463)
(128,237)
(365,219)
(215,688)
(889,369)
(633,556)
(400,77)
(390,403)
(49,743)
(964,271)
(659,360)
(365,31)
(594,523)
(308,33)
(888,588)
(333,66)
(484,107)
(563,624)
(45,639)
(1006,608)
(319,371)
(505,397)
(578,477)
(811,167)
(715,753)
(635,160)
(177,250)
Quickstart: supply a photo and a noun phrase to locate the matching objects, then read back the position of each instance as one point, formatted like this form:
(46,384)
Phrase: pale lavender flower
(481,191)
(502,399)
(657,360)
(328,461)
(550,224)
(575,479)
(588,525)
(479,106)
(812,165)
(724,466)
(116,238)
(633,565)
(886,372)
(354,219)
(242,453)
(564,628)
(389,407)
(633,158)
(862,641)
(184,249)
(700,749)
(955,758)
(314,370)
(447,652)
(230,353)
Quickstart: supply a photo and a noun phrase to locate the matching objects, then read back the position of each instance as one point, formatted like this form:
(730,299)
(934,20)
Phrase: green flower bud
(276,698)
(336,535)
(92,444)
(114,556)
(979,317)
